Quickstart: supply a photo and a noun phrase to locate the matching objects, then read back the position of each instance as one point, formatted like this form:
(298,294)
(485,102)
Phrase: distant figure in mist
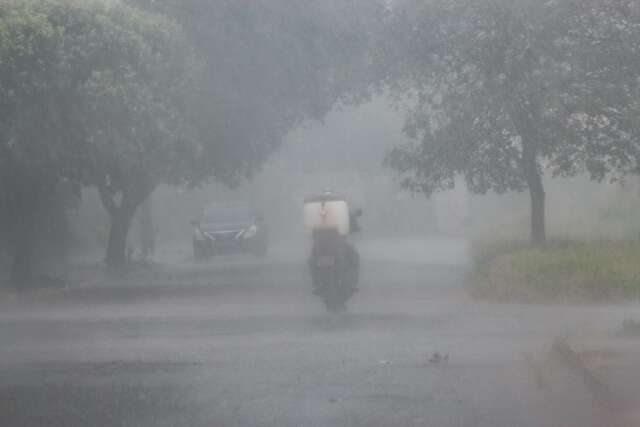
(334,261)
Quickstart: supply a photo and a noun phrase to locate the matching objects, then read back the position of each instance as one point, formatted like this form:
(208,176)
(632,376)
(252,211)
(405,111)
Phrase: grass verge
(560,271)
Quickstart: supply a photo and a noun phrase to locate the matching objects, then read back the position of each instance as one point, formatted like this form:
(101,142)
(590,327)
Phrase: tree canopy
(38,142)
(604,108)
(499,91)
(126,95)
(268,65)
(90,91)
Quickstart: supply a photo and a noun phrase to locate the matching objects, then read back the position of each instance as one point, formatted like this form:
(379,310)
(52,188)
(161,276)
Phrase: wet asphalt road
(243,343)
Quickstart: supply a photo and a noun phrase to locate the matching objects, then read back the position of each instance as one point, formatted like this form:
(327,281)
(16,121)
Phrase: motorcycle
(334,262)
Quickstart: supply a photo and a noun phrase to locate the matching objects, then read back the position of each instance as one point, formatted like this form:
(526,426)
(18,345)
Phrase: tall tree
(90,91)
(487,82)
(135,106)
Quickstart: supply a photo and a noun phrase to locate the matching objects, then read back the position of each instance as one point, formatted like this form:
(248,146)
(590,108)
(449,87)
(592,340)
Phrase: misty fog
(319,213)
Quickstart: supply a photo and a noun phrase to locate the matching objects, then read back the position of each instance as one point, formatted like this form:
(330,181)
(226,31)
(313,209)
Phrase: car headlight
(250,232)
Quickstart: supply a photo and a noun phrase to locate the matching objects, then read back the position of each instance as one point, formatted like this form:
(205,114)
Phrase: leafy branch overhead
(268,65)
(126,95)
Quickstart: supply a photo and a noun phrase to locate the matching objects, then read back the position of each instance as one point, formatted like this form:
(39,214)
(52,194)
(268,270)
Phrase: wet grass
(559,271)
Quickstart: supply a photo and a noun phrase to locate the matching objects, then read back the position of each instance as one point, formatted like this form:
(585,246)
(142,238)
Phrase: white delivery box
(326,211)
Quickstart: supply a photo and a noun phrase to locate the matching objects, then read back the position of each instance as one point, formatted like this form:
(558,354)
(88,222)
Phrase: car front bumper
(223,243)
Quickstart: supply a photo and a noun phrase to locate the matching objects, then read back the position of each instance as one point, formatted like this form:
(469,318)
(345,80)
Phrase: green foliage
(35,144)
(91,91)
(109,95)
(269,64)
(483,79)
(138,74)
(604,55)
(500,91)
(94,85)
(30,83)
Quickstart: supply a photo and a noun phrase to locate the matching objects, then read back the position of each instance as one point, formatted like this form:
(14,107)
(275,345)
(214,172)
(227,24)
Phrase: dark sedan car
(229,228)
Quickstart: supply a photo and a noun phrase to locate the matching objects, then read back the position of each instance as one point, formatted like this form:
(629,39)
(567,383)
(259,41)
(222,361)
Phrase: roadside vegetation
(592,254)
(560,271)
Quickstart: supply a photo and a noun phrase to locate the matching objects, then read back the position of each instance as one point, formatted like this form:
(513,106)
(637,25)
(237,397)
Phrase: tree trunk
(538,229)
(117,246)
(537,194)
(121,217)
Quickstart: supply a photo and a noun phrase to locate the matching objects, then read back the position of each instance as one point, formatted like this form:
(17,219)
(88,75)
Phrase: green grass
(594,271)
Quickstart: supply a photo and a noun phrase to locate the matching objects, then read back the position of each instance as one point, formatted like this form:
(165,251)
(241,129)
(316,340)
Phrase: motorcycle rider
(351,258)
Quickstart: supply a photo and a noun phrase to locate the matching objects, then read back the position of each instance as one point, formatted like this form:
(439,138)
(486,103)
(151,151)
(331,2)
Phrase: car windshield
(227,213)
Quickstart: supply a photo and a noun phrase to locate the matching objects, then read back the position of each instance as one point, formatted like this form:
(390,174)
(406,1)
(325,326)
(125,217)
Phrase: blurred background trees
(504,92)
(126,96)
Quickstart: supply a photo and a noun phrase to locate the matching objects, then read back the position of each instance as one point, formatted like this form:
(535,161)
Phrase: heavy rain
(320,213)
